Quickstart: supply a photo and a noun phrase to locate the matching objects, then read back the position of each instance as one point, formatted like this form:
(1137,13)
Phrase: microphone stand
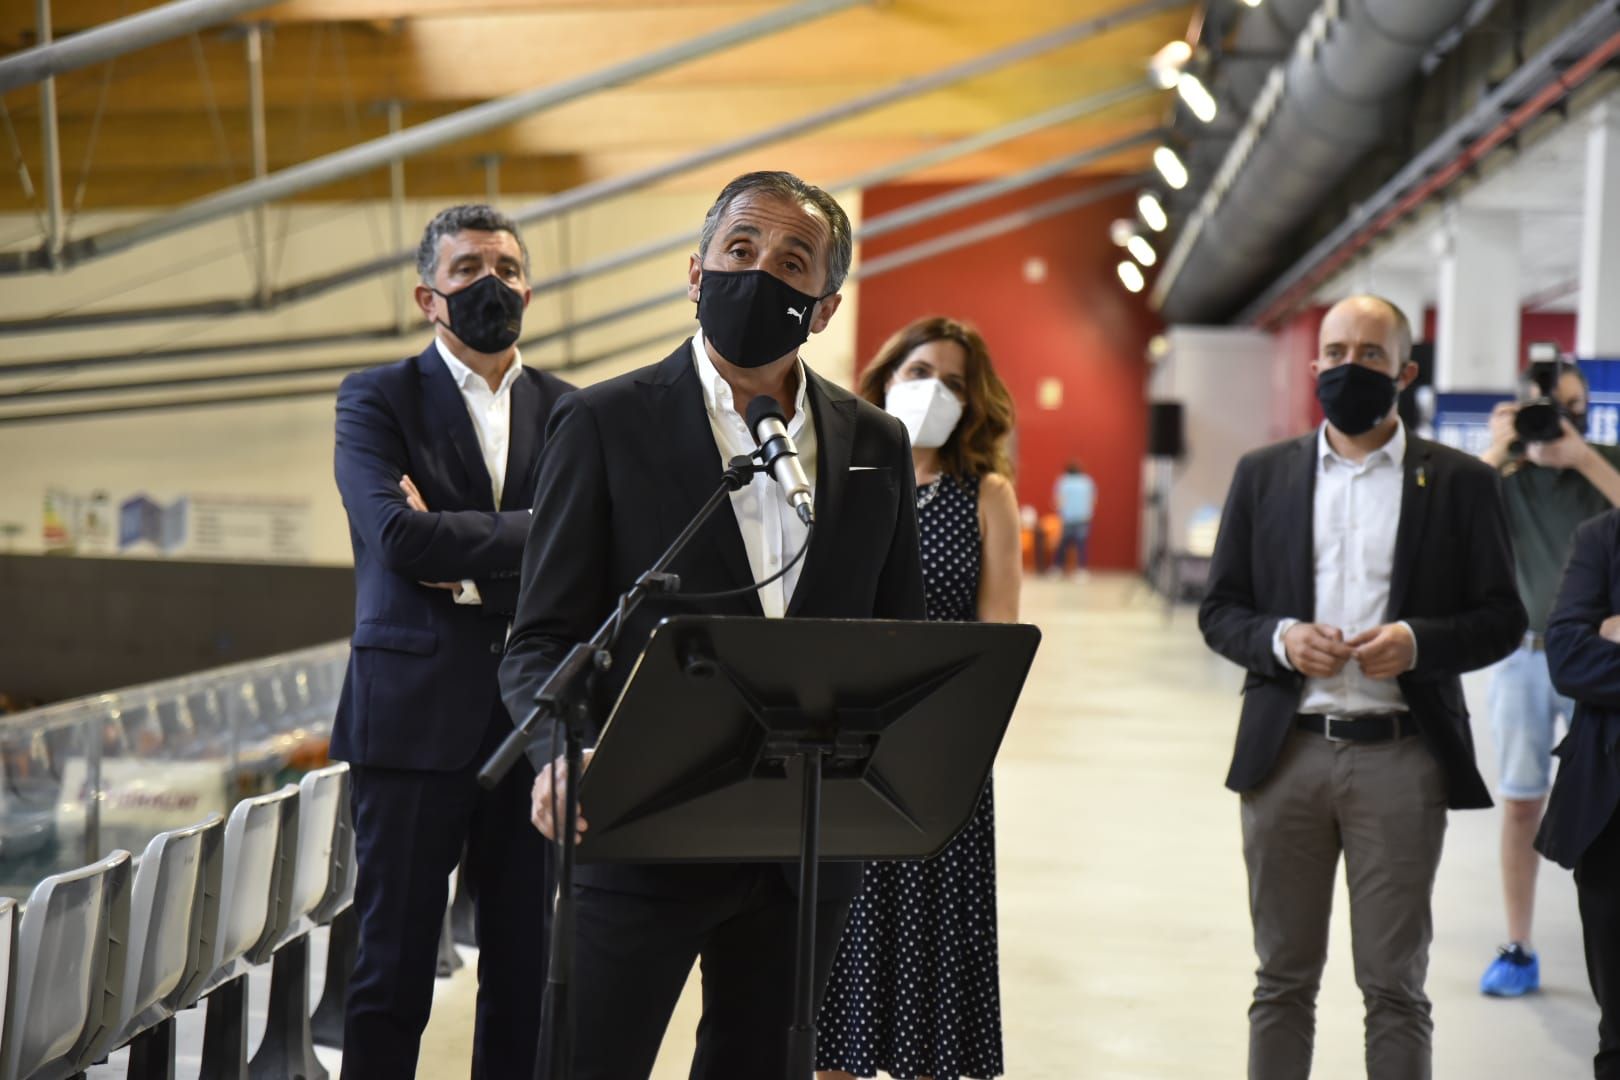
(567,699)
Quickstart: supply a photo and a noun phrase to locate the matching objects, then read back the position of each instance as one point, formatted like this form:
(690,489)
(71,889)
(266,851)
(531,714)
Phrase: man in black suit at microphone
(627,464)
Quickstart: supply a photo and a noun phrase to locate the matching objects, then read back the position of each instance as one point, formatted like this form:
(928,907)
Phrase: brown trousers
(1383,805)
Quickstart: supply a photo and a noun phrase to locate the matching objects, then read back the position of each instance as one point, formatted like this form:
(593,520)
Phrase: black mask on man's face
(487,315)
(1355,398)
(752,317)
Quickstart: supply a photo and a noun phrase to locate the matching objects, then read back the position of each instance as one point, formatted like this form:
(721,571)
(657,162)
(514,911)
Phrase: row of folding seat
(106,955)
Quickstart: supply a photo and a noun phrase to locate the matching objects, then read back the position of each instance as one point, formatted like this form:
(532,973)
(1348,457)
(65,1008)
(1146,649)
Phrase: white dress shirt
(491,413)
(771,531)
(1357,510)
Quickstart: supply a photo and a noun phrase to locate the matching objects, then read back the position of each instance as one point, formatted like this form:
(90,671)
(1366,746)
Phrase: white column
(1477,311)
(1597,320)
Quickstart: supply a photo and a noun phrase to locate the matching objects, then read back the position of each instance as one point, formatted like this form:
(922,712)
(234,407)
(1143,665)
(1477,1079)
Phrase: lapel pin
(1422,476)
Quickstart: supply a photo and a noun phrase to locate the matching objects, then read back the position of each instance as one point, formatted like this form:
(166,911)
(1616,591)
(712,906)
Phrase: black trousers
(1597,883)
(410,828)
(634,953)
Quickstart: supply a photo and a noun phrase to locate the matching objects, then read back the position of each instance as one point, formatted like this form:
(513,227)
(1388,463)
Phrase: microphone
(781,457)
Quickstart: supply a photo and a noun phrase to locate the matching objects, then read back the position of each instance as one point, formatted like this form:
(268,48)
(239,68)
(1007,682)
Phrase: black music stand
(795,740)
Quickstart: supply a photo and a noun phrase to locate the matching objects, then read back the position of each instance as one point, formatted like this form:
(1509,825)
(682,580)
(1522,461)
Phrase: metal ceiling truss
(379,152)
(905,217)
(684,239)
(598,191)
(50,58)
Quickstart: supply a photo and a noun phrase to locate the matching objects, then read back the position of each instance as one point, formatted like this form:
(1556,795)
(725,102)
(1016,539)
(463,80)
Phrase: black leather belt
(1376,727)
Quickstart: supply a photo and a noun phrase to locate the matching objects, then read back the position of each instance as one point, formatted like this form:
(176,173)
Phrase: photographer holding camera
(1552,481)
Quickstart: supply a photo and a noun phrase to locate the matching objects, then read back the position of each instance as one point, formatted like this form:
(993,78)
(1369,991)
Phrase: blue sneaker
(1513,973)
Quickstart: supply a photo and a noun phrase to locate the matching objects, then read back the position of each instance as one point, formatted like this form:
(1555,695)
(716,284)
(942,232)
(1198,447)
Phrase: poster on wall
(1463,420)
(248,527)
(78,523)
(238,528)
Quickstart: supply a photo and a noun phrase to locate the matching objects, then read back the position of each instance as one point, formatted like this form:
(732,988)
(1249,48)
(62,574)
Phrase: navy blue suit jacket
(1585,666)
(422,681)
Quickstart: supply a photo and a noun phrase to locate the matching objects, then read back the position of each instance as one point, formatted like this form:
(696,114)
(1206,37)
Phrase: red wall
(1297,341)
(1078,325)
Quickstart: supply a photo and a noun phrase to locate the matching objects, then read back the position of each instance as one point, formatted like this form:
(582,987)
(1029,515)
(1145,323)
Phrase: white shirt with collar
(1356,512)
(491,414)
(771,531)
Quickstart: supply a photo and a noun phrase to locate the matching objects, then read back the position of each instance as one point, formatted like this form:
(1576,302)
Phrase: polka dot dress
(915,989)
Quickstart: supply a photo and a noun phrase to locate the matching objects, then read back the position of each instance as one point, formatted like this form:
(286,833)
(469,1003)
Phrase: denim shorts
(1524,711)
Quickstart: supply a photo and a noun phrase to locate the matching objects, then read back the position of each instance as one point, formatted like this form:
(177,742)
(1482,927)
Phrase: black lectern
(795,740)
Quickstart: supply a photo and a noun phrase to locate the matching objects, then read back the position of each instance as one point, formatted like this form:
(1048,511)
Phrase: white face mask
(927,408)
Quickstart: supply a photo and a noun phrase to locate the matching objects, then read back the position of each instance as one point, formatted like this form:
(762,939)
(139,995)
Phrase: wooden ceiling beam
(331,65)
(534,176)
(68,16)
(666,125)
(449,60)
(17,27)
(710,107)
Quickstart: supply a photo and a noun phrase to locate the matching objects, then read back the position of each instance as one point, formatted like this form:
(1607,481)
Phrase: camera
(1540,418)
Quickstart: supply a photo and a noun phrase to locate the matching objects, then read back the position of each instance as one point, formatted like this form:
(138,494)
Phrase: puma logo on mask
(796,314)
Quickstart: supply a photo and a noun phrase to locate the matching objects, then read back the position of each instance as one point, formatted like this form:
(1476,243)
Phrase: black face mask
(1578,419)
(487,315)
(1355,398)
(751,316)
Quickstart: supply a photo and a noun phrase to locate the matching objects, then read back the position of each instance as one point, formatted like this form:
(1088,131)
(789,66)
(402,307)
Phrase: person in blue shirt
(1076,498)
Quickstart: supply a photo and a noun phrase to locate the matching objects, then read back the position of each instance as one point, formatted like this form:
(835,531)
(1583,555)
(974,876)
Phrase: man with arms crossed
(436,459)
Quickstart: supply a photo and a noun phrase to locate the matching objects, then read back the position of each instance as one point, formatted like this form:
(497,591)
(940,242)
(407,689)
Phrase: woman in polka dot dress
(915,990)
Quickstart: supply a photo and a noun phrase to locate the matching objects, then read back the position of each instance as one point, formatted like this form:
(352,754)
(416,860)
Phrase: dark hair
(784,185)
(979,443)
(476,217)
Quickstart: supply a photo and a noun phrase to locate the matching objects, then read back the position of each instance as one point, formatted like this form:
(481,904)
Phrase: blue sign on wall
(1463,420)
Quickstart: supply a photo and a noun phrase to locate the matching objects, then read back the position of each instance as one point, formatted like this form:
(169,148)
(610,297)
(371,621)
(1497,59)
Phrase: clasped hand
(1320,652)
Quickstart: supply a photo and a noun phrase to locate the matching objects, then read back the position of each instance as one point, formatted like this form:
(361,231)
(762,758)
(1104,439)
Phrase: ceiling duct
(1316,115)
(1263,38)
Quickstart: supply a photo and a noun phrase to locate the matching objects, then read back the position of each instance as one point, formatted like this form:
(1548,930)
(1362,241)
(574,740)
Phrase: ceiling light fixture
(1152,211)
(1142,251)
(1166,65)
(1170,167)
(1131,275)
(1197,97)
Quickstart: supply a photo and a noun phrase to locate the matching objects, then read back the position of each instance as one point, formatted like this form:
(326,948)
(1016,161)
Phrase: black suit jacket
(421,686)
(627,464)
(1586,667)
(1452,582)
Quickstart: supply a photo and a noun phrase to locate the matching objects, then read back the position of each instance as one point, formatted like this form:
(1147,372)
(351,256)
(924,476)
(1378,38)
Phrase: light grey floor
(1124,926)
